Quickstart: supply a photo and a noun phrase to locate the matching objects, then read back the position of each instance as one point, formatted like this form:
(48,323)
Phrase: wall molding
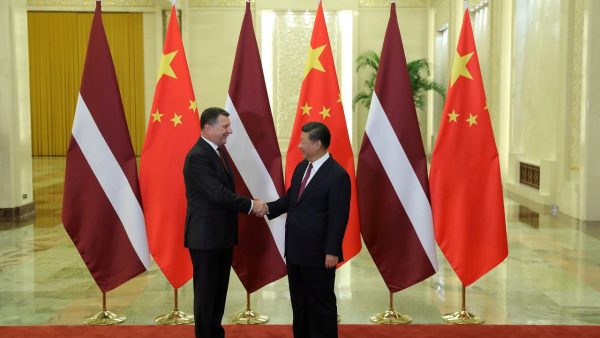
(91,3)
(399,3)
(8,216)
(220,3)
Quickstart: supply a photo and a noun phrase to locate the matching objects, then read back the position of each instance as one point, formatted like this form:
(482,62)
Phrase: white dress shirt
(316,165)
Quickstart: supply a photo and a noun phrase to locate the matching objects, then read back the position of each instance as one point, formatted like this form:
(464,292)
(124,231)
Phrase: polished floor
(552,276)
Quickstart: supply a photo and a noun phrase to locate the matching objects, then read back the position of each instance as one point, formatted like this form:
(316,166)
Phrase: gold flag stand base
(463,316)
(248,316)
(390,316)
(174,317)
(104,317)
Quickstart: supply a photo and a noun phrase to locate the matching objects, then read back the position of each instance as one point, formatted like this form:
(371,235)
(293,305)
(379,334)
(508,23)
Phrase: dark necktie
(305,180)
(221,151)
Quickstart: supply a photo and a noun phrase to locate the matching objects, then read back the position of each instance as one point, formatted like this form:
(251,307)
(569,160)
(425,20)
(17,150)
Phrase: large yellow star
(313,60)
(176,120)
(459,68)
(472,120)
(157,116)
(306,109)
(165,66)
(453,117)
(325,112)
(193,106)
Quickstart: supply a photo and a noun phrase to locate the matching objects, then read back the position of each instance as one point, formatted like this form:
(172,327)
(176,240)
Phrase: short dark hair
(318,131)
(210,116)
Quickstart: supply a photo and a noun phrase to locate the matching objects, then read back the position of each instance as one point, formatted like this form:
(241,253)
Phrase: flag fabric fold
(320,100)
(395,212)
(258,258)
(173,128)
(101,211)
(466,189)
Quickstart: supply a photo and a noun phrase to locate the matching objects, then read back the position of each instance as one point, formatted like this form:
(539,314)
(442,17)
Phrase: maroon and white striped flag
(258,257)
(395,212)
(101,206)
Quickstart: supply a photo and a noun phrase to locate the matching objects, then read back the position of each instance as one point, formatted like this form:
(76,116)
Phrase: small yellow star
(306,109)
(313,60)
(193,106)
(176,120)
(453,117)
(156,117)
(165,66)
(459,68)
(325,112)
(339,97)
(472,120)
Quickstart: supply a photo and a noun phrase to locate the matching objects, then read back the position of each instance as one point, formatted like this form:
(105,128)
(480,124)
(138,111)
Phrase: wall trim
(8,216)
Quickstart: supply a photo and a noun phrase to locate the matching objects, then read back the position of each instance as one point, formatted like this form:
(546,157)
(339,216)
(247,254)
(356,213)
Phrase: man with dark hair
(211,220)
(317,205)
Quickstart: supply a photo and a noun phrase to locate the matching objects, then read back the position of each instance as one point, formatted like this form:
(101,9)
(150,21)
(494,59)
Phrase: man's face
(219,131)
(308,148)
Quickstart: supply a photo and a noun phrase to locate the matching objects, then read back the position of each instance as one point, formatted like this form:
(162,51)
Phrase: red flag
(101,206)
(173,129)
(395,212)
(466,190)
(258,257)
(320,100)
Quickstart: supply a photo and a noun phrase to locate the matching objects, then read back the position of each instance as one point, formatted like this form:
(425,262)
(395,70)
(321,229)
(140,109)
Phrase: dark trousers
(211,280)
(313,301)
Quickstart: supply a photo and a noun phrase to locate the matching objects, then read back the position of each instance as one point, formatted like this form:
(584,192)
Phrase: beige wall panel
(16,186)
(212,41)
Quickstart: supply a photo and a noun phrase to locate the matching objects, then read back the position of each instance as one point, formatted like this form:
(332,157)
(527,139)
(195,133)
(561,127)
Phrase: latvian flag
(395,212)
(258,259)
(101,207)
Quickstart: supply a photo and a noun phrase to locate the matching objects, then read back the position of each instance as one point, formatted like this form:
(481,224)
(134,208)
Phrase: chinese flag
(173,128)
(320,100)
(466,190)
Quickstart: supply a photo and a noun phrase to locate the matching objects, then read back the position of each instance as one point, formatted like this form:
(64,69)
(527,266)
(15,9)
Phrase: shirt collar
(214,146)
(317,163)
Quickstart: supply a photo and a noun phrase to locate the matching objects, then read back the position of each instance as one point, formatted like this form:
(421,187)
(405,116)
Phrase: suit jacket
(212,204)
(317,221)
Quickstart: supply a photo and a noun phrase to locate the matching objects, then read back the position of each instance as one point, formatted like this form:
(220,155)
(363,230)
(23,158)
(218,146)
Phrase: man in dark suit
(211,220)
(317,205)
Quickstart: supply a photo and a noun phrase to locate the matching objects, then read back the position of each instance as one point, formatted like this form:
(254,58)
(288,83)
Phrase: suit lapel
(319,175)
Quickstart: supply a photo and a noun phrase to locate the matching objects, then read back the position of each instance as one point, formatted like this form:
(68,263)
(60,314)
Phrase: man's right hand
(260,208)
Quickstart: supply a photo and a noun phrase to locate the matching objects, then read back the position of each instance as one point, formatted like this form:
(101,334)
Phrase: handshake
(259,208)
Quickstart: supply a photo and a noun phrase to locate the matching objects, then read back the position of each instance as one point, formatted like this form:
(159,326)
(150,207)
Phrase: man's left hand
(330,261)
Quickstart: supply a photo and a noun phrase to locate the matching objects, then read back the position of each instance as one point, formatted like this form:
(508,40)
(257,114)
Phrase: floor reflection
(552,276)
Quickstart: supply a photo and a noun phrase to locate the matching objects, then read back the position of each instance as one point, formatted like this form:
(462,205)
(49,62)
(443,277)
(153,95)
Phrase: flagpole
(248,316)
(174,317)
(390,316)
(463,316)
(104,317)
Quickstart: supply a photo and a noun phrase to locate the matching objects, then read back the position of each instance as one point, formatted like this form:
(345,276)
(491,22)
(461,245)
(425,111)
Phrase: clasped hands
(259,208)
